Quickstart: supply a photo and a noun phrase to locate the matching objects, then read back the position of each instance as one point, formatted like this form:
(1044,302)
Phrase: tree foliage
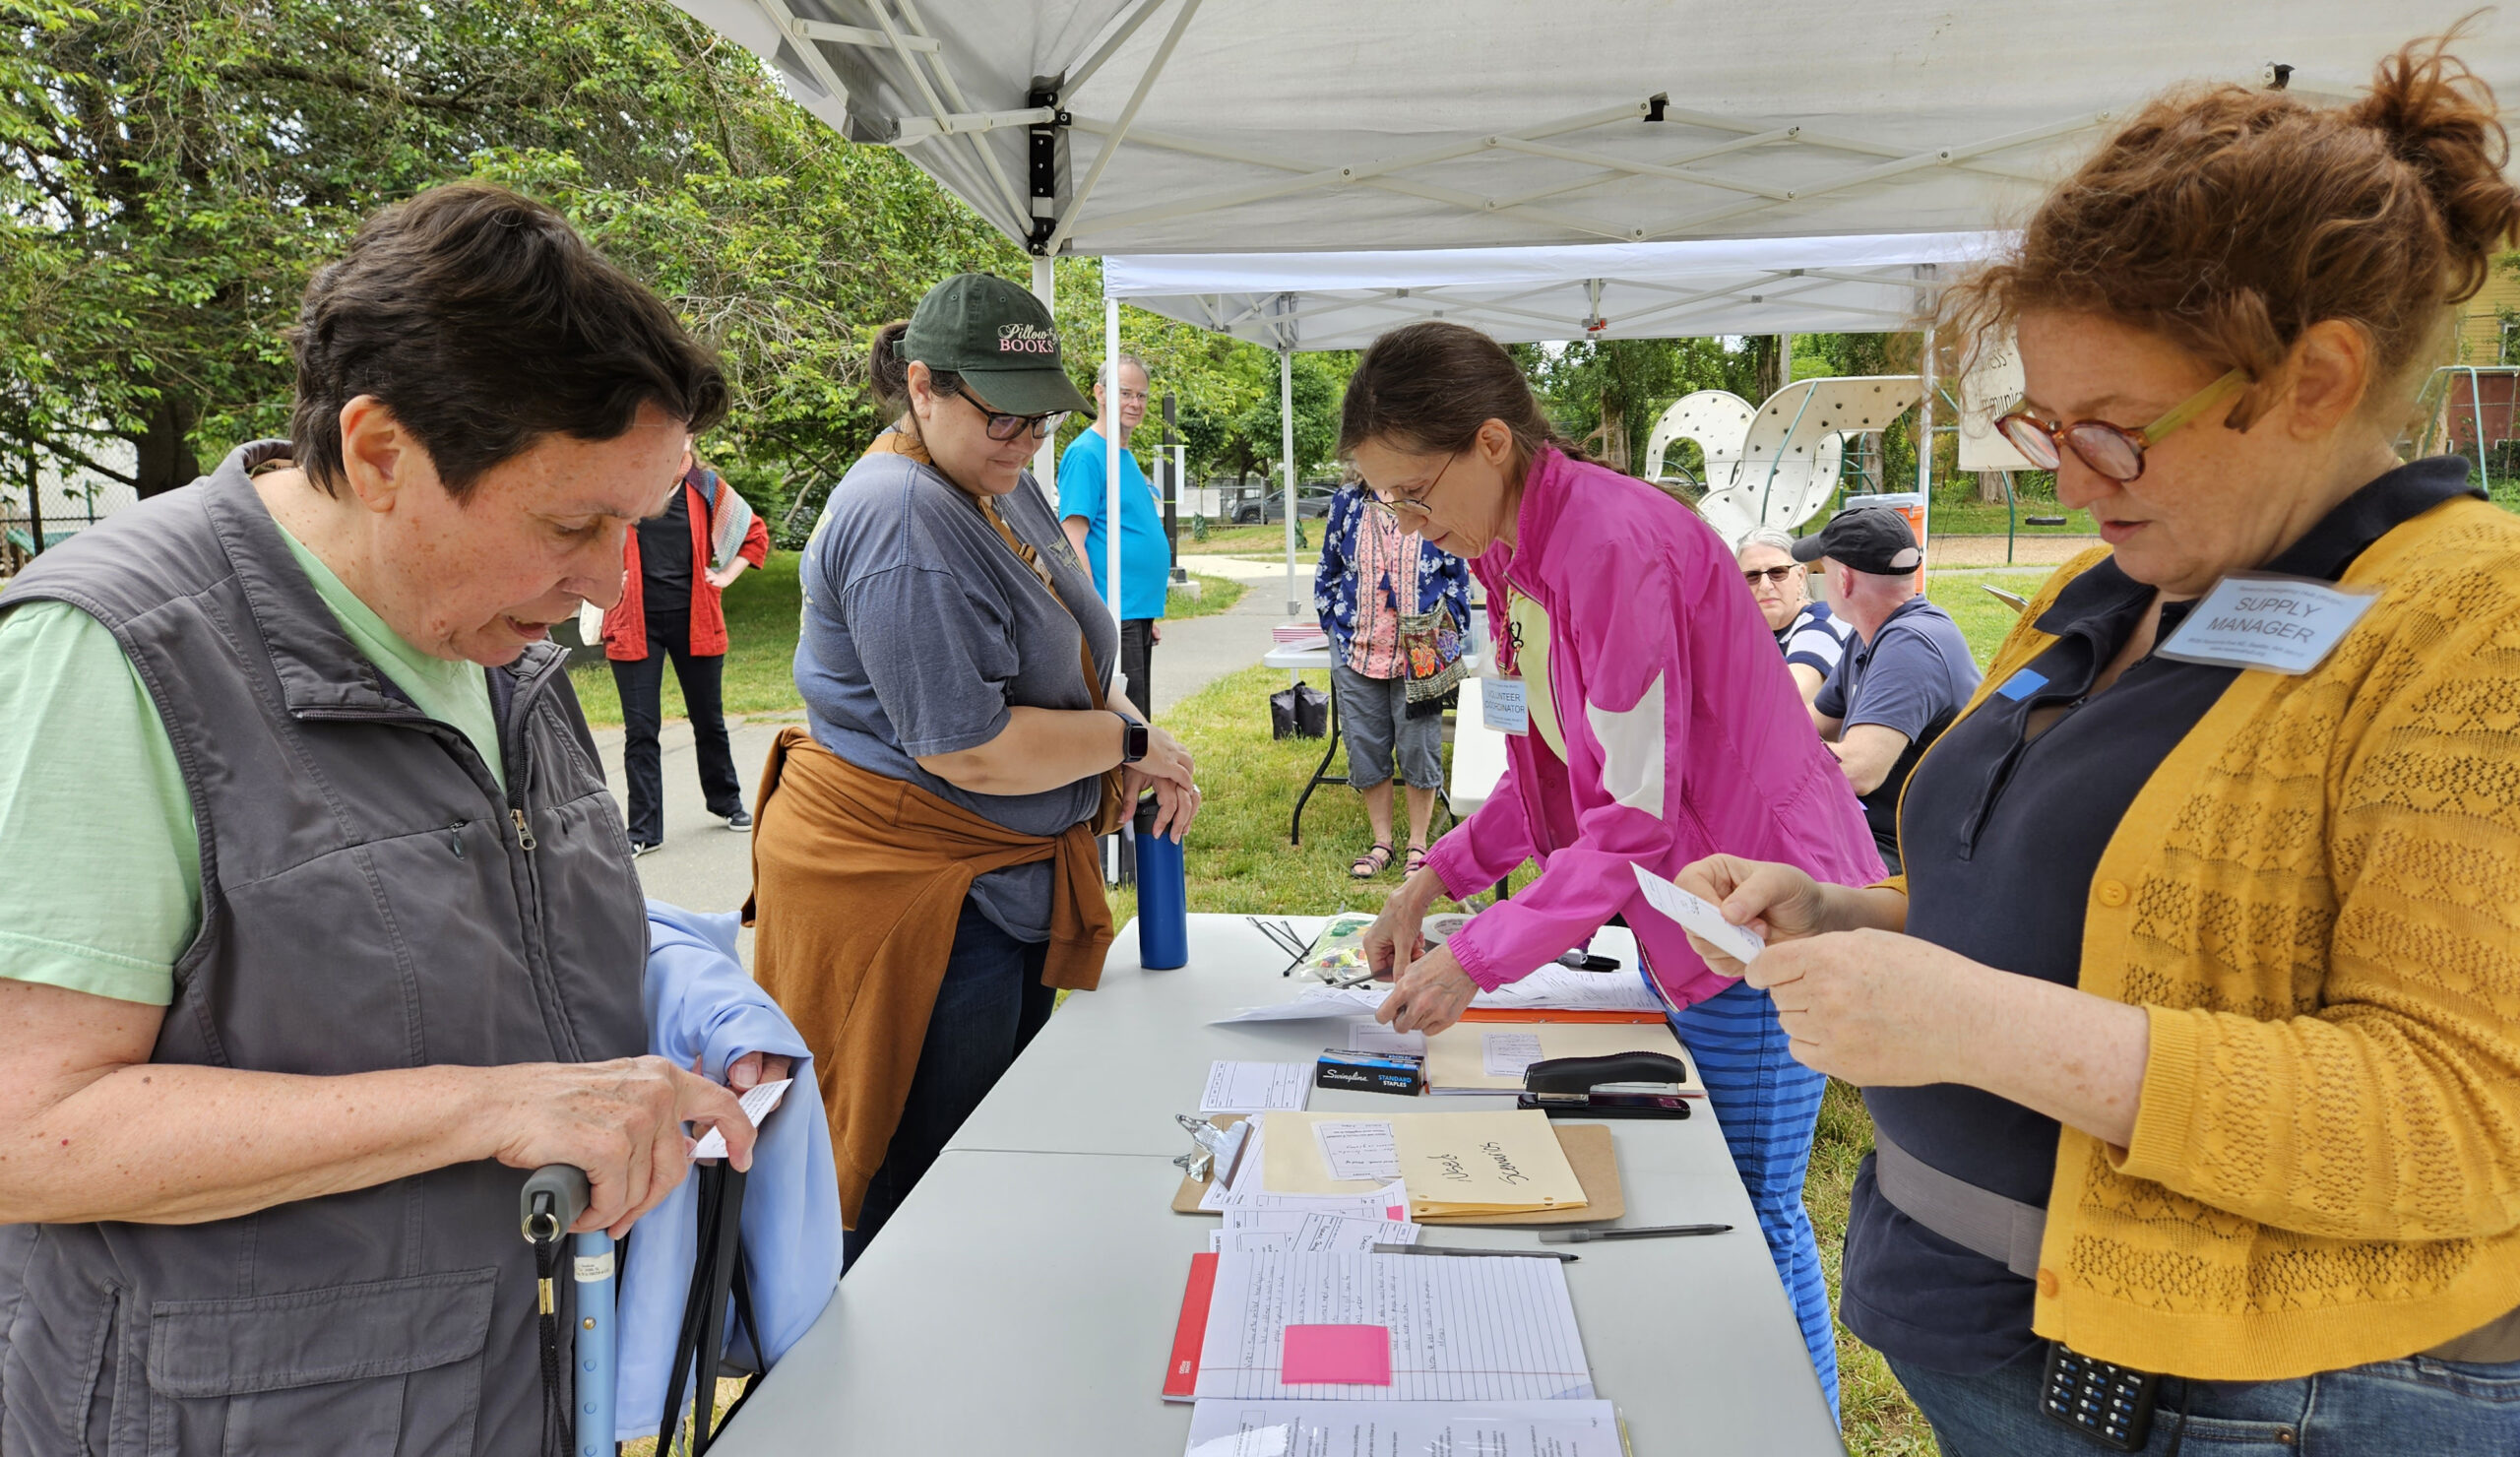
(173,170)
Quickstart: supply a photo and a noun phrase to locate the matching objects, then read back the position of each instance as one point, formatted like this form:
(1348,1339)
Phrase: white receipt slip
(1510,1429)
(1460,1330)
(1256,1087)
(1699,918)
(757,1104)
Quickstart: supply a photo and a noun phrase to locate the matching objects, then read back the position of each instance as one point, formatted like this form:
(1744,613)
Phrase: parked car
(1312,501)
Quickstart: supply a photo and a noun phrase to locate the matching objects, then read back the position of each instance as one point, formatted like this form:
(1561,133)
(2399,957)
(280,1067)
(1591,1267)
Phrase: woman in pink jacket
(1660,726)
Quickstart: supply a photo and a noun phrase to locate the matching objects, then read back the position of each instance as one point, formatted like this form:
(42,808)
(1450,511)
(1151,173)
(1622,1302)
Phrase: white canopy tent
(1223,126)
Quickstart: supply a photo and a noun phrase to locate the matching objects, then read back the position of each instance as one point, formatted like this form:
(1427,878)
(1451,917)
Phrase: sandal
(1373,862)
(1417,861)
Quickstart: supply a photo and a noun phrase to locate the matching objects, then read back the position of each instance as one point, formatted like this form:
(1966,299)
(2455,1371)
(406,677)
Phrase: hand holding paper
(1706,926)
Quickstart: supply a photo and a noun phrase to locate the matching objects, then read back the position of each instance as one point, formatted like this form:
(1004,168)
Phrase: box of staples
(1371,1072)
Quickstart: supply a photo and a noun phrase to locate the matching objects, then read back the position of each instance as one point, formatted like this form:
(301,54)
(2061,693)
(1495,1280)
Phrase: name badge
(1502,707)
(2282,624)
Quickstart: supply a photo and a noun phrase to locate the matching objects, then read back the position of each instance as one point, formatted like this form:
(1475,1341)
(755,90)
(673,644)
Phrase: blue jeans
(1769,1105)
(2418,1407)
(988,1008)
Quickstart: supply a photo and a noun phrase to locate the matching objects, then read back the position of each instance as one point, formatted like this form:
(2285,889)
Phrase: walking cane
(552,1200)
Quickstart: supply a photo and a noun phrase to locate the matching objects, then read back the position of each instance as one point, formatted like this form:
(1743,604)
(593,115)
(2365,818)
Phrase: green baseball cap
(999,338)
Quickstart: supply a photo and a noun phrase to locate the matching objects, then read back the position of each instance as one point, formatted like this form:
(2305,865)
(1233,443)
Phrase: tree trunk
(1991,487)
(165,448)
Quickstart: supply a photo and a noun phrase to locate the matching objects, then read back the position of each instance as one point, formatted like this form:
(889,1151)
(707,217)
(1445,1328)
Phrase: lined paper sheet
(1462,1330)
(1337,1428)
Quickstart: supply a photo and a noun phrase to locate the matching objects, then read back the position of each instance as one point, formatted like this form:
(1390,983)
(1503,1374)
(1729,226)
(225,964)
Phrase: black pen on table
(1642,1231)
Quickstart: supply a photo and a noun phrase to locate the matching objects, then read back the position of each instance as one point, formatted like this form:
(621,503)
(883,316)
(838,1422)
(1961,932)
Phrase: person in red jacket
(672,606)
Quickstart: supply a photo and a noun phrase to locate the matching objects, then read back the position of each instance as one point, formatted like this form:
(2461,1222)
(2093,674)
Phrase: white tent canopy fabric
(1345,300)
(1280,125)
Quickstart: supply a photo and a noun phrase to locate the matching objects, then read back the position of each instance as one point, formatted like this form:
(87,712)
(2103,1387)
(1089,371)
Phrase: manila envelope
(1466,1162)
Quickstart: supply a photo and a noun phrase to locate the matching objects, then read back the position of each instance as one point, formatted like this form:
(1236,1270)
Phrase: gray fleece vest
(371,899)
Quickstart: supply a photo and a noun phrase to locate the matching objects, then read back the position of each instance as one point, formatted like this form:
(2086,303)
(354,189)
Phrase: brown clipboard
(1590,1152)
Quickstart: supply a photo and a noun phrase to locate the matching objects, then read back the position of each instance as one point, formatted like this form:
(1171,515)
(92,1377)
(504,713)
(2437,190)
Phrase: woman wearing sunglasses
(925,876)
(1658,729)
(2192,1035)
(1811,637)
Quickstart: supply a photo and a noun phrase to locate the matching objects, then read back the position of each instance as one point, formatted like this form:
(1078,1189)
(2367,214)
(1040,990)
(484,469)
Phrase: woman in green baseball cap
(924,864)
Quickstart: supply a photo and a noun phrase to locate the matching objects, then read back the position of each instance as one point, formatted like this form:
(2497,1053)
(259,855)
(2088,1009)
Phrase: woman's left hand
(1430,996)
(724,577)
(1877,1009)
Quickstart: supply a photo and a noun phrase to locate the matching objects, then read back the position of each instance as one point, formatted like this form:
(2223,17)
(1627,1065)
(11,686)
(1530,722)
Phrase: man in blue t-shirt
(1146,559)
(1906,676)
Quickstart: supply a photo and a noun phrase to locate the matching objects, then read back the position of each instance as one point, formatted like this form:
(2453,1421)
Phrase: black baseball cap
(999,338)
(1872,540)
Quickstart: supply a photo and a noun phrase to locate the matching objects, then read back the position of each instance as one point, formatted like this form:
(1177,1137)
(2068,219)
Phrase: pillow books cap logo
(1026,338)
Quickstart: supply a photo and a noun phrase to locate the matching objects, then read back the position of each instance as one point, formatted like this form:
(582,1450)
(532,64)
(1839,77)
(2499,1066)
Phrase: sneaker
(639,848)
(739,821)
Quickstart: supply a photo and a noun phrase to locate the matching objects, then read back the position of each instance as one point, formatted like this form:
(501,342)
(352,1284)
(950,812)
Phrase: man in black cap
(1906,678)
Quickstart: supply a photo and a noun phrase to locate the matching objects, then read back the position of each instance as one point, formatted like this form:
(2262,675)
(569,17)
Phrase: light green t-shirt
(99,860)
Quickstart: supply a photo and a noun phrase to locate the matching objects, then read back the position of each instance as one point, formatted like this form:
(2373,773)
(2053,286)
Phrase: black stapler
(1623,1085)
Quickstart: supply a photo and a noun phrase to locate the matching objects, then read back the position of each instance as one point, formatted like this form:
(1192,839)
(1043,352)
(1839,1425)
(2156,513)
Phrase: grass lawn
(1974,518)
(762,611)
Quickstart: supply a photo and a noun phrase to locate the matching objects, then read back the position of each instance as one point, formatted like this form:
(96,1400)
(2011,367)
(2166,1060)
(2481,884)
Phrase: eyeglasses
(1774,575)
(2116,453)
(1002,427)
(1415,505)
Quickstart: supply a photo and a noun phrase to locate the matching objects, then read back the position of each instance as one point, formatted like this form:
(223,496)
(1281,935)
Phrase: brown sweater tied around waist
(858,881)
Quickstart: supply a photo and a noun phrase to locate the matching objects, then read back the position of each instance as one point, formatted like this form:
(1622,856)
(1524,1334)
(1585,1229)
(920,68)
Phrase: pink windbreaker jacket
(1684,734)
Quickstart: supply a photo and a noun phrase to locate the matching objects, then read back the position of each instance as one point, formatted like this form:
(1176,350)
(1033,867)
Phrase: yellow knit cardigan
(2316,901)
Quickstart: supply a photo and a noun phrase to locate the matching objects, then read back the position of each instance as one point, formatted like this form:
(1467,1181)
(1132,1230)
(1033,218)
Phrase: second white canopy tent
(1291,301)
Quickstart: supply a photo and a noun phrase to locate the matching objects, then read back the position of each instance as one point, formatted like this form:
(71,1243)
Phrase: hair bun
(2439,118)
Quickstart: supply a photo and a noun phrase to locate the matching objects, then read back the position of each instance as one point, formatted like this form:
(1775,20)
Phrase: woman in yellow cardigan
(2192,1032)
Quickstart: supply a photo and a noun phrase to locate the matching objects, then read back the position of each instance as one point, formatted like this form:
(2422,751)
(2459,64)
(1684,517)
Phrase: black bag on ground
(1302,710)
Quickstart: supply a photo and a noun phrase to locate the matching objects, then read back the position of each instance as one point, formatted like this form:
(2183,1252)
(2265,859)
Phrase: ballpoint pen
(1642,1231)
(1525,1254)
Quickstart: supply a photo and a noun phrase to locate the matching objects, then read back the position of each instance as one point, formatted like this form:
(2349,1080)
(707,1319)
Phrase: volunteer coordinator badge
(2282,624)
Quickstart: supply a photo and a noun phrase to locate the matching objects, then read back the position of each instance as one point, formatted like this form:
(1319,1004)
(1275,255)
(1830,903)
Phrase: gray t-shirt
(923,628)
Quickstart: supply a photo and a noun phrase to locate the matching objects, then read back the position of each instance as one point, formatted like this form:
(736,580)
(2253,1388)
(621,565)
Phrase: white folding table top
(1025,1302)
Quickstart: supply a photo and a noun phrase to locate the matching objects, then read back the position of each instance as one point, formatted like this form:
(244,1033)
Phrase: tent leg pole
(1109,424)
(1286,449)
(1924,443)
(1045,464)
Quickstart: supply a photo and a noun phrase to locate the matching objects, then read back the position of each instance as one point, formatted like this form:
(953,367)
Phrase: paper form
(1461,1330)
(1315,1233)
(756,1104)
(1337,1428)
(1553,987)
(1359,1149)
(1505,1055)
(1368,1035)
(1256,1087)
(1250,1195)
(1698,918)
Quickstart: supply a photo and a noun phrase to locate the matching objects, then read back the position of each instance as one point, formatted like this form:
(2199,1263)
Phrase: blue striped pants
(1769,1105)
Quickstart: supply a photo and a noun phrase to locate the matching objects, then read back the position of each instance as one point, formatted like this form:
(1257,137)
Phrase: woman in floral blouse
(1395,608)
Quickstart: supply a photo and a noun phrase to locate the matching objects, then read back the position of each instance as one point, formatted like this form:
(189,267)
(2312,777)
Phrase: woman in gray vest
(317,924)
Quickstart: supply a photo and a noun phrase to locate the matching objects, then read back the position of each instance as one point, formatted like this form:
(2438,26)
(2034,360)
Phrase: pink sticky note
(1350,1354)
(1395,1212)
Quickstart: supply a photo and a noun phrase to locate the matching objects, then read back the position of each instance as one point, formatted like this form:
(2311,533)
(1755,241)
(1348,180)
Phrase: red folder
(1181,1377)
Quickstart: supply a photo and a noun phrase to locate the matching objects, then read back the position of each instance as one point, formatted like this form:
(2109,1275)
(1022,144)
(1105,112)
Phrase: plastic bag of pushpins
(1338,956)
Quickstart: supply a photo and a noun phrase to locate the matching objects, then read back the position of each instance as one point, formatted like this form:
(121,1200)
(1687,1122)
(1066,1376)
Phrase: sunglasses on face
(1775,575)
(2116,453)
(1002,427)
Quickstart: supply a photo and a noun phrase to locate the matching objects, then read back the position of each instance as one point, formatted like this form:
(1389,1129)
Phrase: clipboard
(1590,1152)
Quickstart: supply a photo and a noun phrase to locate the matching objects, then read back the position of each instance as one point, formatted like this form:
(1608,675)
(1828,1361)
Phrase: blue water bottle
(1164,896)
